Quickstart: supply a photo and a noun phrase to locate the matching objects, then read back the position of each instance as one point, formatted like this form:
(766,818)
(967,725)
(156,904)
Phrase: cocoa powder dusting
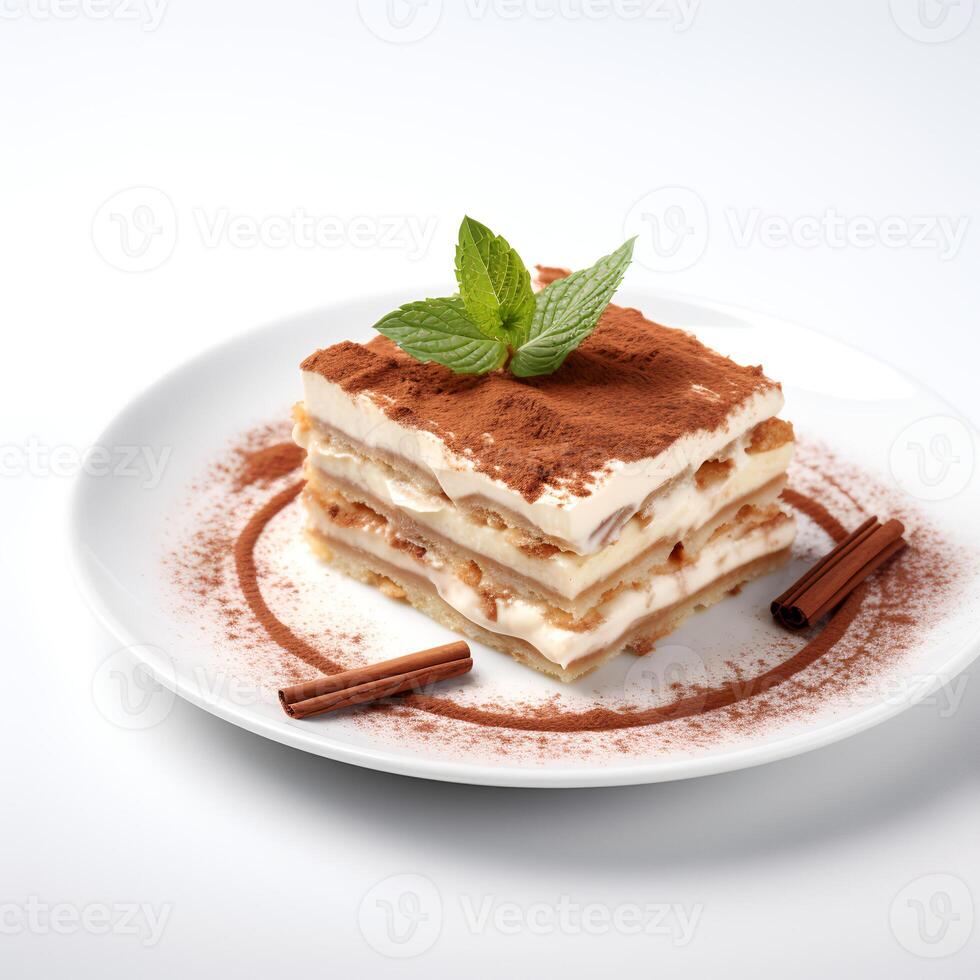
(628,393)
(265,465)
(545,275)
(228,603)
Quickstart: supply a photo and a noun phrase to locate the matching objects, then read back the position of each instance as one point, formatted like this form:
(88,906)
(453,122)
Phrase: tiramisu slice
(563,517)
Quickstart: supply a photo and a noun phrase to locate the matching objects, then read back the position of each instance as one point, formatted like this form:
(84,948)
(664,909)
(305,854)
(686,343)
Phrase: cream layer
(621,488)
(681,509)
(528,620)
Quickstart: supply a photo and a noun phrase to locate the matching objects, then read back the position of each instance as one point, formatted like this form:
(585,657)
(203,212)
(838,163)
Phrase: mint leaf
(439,330)
(567,311)
(494,284)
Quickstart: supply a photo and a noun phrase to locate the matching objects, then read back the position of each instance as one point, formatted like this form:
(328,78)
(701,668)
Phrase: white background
(549,128)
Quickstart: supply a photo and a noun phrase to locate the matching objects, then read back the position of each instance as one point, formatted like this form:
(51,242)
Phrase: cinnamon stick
(376,681)
(839,573)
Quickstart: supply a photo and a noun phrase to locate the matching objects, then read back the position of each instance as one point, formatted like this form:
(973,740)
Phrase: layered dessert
(561,519)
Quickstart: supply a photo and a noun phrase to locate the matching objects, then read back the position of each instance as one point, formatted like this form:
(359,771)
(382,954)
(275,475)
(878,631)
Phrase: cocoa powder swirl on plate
(248,581)
(551,718)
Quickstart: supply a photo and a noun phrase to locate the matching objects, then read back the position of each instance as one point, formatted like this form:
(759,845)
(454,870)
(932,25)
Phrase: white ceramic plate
(865,410)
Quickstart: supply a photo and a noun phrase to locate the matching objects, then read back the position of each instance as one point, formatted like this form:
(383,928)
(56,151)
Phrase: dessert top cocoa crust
(631,390)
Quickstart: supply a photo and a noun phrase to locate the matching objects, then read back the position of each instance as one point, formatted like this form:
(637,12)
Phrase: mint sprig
(497,318)
(494,284)
(439,330)
(566,312)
